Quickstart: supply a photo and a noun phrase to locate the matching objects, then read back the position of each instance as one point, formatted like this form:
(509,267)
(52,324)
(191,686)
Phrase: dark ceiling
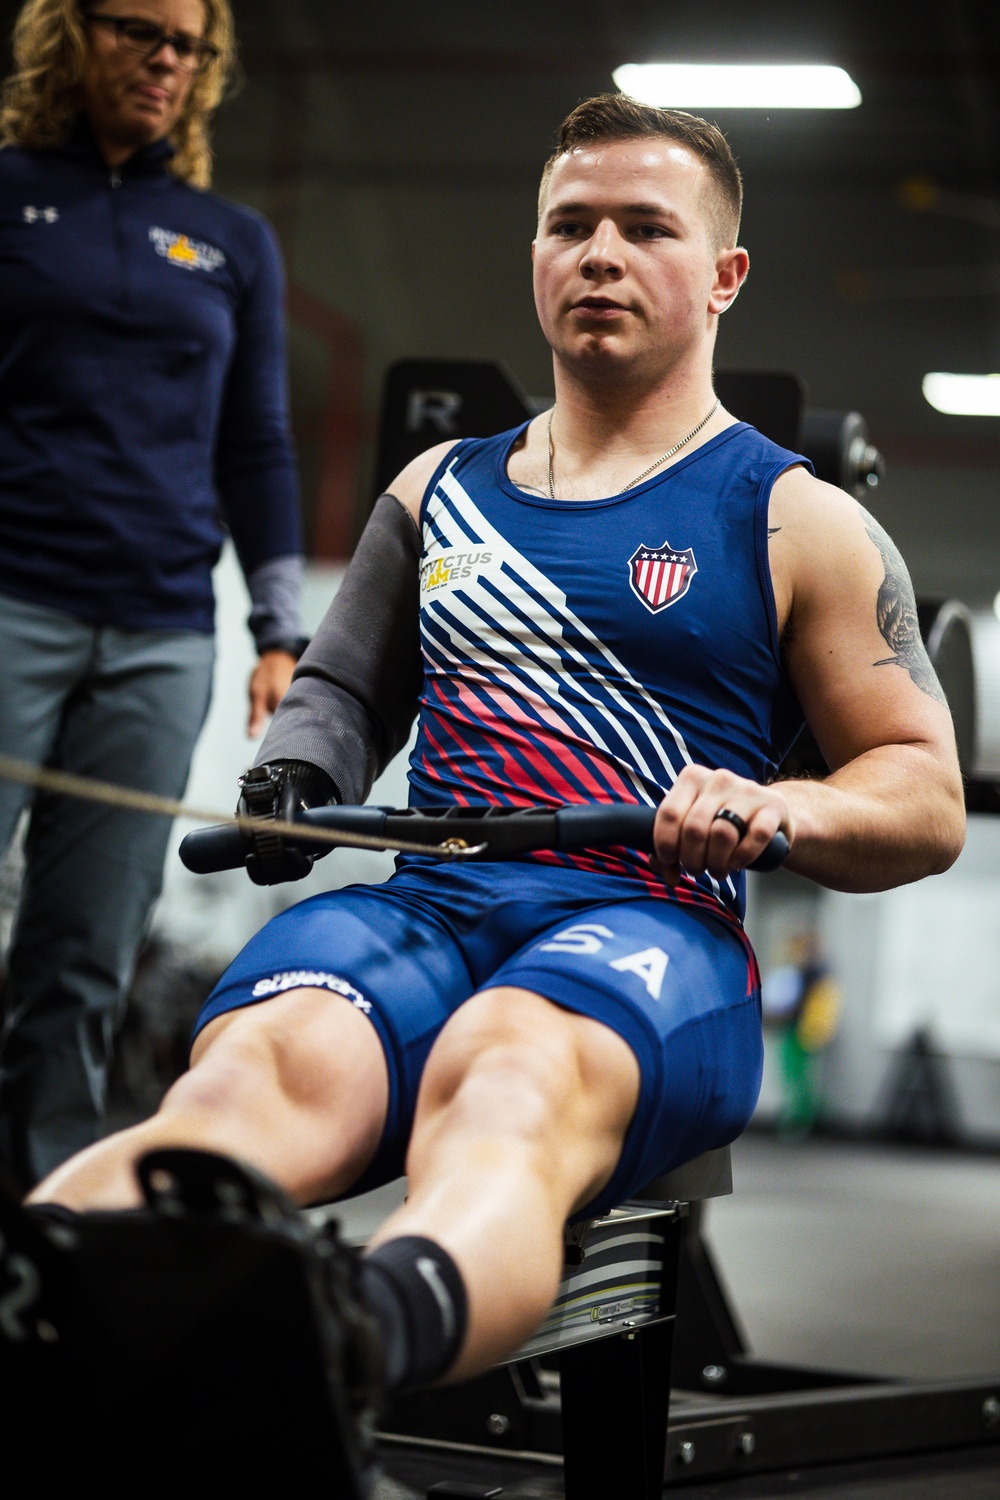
(929,73)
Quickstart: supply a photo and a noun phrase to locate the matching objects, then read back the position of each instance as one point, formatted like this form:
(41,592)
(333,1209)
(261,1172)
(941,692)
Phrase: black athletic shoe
(363,1368)
(37,1302)
(306,1332)
(208,1343)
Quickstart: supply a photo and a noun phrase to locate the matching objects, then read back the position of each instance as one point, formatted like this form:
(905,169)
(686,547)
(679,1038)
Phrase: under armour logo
(31,214)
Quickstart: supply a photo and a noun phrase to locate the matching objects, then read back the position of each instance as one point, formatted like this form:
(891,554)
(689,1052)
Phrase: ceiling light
(739,85)
(963,395)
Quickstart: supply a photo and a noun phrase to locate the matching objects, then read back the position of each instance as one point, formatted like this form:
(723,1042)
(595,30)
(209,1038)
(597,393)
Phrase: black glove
(281,789)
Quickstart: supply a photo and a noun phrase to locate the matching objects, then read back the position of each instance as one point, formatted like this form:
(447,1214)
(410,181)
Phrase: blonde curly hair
(39,99)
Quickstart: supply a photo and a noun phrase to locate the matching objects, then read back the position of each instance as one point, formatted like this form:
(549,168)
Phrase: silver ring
(728,816)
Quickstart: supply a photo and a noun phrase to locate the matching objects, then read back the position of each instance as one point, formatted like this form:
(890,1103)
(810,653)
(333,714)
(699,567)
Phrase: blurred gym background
(397,150)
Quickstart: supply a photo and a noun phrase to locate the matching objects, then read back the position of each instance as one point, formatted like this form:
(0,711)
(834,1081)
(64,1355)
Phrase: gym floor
(862,1257)
(849,1256)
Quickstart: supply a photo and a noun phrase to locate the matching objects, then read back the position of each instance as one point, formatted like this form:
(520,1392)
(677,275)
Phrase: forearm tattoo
(896,613)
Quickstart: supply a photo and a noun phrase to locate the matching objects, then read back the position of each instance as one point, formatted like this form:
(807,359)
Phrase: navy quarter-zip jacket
(143,394)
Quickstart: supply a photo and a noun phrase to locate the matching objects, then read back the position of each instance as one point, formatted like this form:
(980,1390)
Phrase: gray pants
(123,706)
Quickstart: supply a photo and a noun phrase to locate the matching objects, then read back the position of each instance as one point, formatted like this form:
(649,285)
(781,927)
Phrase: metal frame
(605,1406)
(734,1414)
(603,1375)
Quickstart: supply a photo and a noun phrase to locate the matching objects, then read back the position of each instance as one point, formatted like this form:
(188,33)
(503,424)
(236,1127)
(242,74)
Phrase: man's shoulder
(761,453)
(411,483)
(817,532)
(798,496)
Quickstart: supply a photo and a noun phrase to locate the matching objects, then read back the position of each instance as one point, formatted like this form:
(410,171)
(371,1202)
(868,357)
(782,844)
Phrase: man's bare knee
(297,1085)
(258,1026)
(494,1073)
(515,1040)
(541,1083)
(505,1092)
(214,1085)
(304,1043)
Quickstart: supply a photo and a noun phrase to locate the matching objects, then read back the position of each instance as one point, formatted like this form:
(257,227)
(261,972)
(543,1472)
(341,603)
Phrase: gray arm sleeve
(275,596)
(354,694)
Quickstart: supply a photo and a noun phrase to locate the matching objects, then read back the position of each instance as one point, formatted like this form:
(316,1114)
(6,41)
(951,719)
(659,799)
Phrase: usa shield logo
(661,575)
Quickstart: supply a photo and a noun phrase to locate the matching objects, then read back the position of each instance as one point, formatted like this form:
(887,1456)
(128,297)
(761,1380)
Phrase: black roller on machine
(841,450)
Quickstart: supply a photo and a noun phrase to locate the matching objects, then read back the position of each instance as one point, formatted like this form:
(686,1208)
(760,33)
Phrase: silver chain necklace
(661,460)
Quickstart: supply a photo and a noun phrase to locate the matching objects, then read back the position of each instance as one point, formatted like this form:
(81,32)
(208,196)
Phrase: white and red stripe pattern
(523,705)
(661,575)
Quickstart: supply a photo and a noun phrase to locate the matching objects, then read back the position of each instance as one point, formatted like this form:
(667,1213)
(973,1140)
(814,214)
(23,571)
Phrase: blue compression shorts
(676,983)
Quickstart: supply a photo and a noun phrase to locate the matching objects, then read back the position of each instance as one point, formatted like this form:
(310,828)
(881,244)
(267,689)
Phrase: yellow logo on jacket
(181,250)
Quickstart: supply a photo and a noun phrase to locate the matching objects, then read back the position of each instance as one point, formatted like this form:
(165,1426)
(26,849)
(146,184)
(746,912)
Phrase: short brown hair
(616,117)
(39,100)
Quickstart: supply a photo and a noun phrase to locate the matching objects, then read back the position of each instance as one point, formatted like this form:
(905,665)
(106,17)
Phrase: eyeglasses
(146,38)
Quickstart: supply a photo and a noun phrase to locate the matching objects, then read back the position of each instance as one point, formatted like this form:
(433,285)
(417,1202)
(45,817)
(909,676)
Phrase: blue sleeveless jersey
(586,651)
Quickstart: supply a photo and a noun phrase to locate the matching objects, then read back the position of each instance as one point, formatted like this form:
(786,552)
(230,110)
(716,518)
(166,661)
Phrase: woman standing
(142,400)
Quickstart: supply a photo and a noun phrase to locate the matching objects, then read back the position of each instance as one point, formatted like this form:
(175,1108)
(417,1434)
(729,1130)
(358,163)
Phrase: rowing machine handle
(586,825)
(208,850)
(590,825)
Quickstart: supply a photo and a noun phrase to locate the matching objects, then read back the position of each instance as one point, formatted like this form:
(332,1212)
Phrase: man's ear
(731,269)
(533,246)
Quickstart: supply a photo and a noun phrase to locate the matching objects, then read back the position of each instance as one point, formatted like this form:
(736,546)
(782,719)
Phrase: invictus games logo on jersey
(661,575)
(445,569)
(190,255)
